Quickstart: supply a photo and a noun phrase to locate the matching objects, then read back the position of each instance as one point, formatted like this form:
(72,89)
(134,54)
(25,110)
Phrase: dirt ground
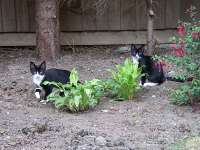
(148,122)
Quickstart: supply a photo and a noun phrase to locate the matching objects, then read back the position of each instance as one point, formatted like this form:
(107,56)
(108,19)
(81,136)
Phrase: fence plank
(141,18)
(159,8)
(8,15)
(89,15)
(172,13)
(128,15)
(31,14)
(71,16)
(22,17)
(1,20)
(87,38)
(114,15)
(102,17)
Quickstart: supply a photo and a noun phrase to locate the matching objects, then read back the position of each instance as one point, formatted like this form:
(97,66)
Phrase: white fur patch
(43,102)
(135,60)
(37,95)
(150,84)
(37,79)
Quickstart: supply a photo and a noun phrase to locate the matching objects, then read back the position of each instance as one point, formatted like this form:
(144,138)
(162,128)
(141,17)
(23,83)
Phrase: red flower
(181,30)
(179,52)
(195,35)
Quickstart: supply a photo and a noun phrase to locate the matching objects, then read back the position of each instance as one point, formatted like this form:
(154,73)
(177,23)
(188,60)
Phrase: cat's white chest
(37,79)
(135,60)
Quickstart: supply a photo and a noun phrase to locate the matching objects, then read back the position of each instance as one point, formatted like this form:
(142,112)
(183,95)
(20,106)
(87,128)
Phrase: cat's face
(137,52)
(38,72)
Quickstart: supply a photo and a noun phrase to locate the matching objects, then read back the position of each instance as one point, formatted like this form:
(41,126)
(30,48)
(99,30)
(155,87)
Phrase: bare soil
(148,122)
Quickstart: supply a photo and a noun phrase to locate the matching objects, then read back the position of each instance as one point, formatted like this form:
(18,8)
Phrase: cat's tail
(178,80)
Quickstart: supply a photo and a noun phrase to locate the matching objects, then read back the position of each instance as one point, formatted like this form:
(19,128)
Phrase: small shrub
(124,81)
(186,67)
(180,96)
(188,41)
(187,94)
(75,96)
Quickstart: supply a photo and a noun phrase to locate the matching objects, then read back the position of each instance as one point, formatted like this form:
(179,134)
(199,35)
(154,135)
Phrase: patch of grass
(191,143)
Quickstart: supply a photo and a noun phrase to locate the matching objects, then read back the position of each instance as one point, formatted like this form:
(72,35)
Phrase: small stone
(119,142)
(105,110)
(100,141)
(184,128)
(153,96)
(83,147)
(14,83)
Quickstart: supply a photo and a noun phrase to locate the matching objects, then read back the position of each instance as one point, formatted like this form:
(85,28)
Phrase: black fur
(56,75)
(152,72)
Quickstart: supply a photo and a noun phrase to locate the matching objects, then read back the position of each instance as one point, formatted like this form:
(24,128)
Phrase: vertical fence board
(102,17)
(141,17)
(71,16)
(159,8)
(114,15)
(1,20)
(89,15)
(128,15)
(22,17)
(8,15)
(172,13)
(31,14)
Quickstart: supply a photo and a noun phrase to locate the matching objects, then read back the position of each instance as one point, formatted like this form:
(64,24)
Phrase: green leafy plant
(75,96)
(186,66)
(124,81)
(187,94)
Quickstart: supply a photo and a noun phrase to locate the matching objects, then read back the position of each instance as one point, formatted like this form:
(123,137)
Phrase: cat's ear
(32,67)
(141,49)
(133,50)
(43,67)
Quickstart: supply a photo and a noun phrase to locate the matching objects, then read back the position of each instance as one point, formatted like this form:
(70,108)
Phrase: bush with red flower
(187,67)
(188,39)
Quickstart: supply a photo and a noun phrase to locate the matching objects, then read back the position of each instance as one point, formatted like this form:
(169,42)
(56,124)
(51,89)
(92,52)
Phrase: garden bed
(148,121)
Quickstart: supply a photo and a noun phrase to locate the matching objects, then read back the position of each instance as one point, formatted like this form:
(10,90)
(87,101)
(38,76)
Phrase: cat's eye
(41,72)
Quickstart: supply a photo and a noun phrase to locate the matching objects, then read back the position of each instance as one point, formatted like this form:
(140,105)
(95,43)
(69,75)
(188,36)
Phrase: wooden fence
(17,16)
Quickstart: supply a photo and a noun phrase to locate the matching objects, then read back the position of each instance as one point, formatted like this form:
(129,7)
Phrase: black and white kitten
(40,74)
(152,70)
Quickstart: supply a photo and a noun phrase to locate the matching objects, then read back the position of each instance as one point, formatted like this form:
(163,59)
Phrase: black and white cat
(152,71)
(40,74)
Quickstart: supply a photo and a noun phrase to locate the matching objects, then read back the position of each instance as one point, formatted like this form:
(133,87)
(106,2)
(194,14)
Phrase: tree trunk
(150,21)
(47,29)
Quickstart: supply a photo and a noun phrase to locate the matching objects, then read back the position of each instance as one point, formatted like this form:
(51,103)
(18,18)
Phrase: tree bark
(47,29)
(150,23)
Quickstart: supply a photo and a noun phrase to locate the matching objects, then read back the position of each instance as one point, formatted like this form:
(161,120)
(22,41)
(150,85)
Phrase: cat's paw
(37,95)
(43,102)
(150,84)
